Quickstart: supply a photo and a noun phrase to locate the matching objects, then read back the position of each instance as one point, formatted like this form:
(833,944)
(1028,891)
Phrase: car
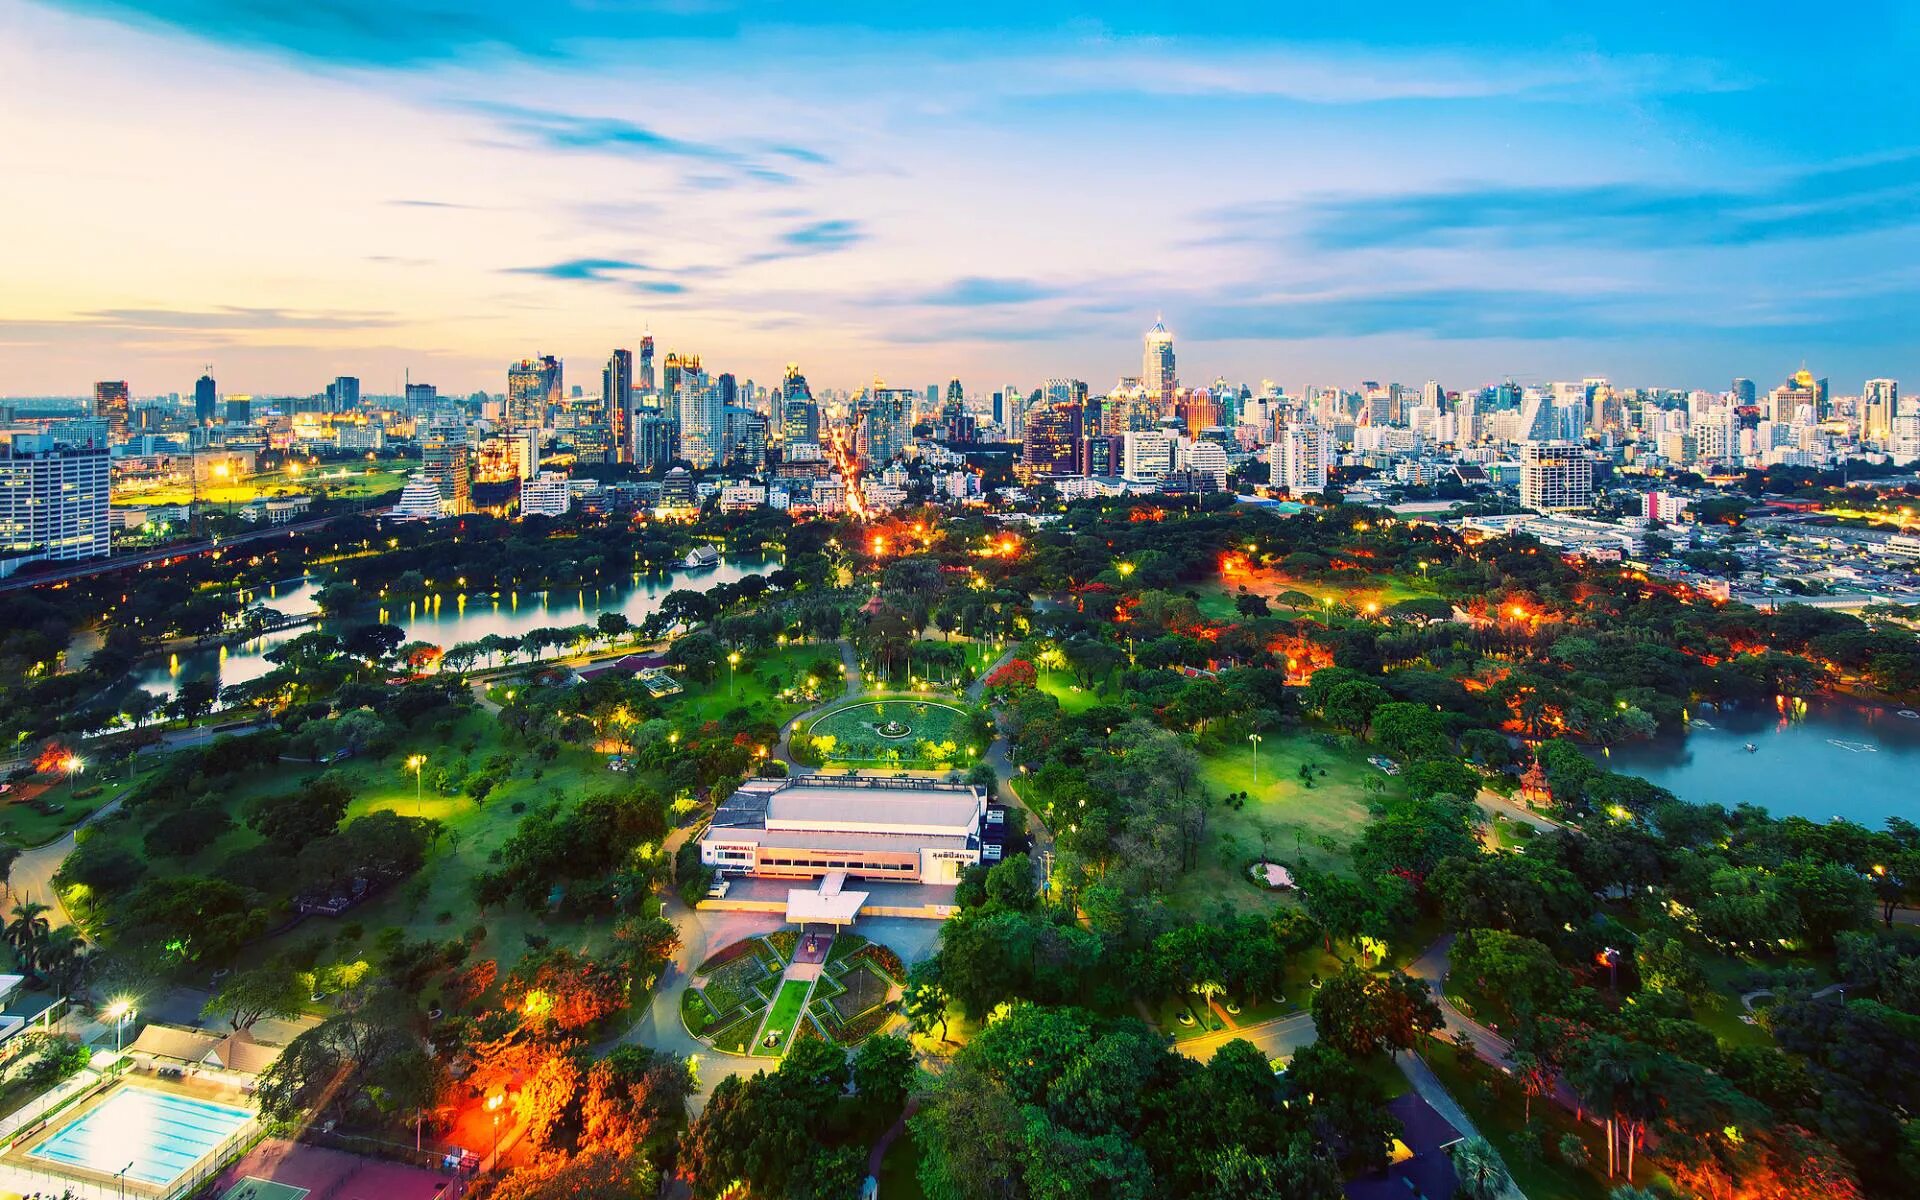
(717,890)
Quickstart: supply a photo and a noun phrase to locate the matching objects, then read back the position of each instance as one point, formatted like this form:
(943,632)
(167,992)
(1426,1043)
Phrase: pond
(444,620)
(1816,758)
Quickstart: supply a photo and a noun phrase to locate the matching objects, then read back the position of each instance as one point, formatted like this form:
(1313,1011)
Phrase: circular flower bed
(905,731)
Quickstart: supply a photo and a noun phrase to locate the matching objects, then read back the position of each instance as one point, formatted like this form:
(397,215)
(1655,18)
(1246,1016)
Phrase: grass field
(900,1170)
(865,988)
(437,903)
(857,736)
(341,480)
(1217,596)
(1062,686)
(786,1009)
(1300,822)
(757,684)
(1541,1177)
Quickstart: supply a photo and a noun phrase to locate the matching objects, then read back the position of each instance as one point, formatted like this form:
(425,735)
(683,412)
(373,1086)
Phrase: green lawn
(772,684)
(857,737)
(1544,1176)
(786,1010)
(1062,686)
(1217,596)
(1299,821)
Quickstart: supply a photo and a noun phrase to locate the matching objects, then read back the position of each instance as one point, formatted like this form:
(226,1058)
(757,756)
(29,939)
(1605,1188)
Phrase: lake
(444,620)
(1817,758)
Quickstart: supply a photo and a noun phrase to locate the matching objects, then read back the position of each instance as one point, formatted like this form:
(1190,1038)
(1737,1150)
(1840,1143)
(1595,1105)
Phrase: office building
(1157,374)
(1744,393)
(1555,476)
(1147,454)
(206,401)
(420,500)
(443,459)
(1052,442)
(110,404)
(653,435)
(545,495)
(884,420)
(53,499)
(343,394)
(1879,405)
(1800,397)
(1300,456)
(533,384)
(698,410)
(800,416)
(616,401)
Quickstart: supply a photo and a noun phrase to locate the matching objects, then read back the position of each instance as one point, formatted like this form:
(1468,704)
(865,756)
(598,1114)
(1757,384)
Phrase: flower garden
(906,731)
(738,1002)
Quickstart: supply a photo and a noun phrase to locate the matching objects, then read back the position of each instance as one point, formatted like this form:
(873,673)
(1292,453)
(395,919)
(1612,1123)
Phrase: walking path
(1430,1089)
(32,875)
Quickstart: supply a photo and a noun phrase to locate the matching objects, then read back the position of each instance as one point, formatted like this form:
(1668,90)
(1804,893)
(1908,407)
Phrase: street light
(119,1012)
(733,660)
(73,765)
(416,763)
(1255,739)
(493,1106)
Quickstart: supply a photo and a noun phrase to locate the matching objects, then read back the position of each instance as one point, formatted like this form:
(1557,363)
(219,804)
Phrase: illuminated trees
(567,990)
(270,991)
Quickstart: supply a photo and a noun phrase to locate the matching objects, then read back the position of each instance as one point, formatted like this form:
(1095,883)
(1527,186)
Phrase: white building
(53,499)
(420,500)
(872,827)
(1146,454)
(545,495)
(1299,458)
(1208,458)
(1555,476)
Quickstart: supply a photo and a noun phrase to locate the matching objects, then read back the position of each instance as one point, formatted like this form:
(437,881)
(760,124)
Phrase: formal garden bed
(732,987)
(904,731)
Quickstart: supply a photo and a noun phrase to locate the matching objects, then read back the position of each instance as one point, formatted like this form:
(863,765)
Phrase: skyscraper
(800,416)
(346,394)
(206,400)
(1157,373)
(1743,392)
(616,398)
(53,500)
(956,404)
(1299,457)
(532,385)
(885,420)
(698,410)
(644,380)
(110,402)
(1555,476)
(1879,405)
(443,459)
(1052,443)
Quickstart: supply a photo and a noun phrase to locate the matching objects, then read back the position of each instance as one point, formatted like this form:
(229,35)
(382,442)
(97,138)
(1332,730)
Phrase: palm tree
(1478,1167)
(27,931)
(65,959)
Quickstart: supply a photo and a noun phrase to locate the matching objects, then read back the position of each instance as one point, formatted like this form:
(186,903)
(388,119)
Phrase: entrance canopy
(830,904)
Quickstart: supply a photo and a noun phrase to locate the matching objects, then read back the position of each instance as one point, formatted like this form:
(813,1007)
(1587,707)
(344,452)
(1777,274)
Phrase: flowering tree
(1018,673)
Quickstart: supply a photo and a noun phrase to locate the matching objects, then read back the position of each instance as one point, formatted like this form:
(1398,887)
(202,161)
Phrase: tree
(274,990)
(358,1065)
(27,931)
(600,1173)
(1346,1014)
(882,1072)
(926,998)
(291,820)
(1477,1167)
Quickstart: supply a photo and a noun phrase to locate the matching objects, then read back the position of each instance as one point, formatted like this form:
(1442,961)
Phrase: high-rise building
(652,440)
(884,422)
(1147,454)
(346,394)
(644,379)
(800,416)
(616,398)
(53,500)
(956,405)
(1555,476)
(545,495)
(1157,373)
(1743,392)
(421,398)
(238,410)
(110,404)
(1800,395)
(206,401)
(532,385)
(1879,405)
(1300,456)
(1052,443)
(699,412)
(443,459)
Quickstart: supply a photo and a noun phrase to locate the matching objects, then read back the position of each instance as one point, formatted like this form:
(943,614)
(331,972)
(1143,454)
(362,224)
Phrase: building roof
(852,804)
(1425,1172)
(181,1045)
(818,839)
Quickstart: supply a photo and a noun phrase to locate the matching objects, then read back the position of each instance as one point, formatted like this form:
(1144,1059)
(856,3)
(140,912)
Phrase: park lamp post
(733,660)
(493,1107)
(416,763)
(119,1012)
(73,765)
(1255,739)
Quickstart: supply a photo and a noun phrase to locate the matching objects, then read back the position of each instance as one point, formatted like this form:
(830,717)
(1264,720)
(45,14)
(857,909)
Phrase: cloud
(233,318)
(429,204)
(1829,203)
(553,129)
(976,291)
(819,236)
(598,270)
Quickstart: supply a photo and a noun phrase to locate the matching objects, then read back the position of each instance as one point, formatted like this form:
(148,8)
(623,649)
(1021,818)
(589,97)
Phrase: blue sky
(1662,194)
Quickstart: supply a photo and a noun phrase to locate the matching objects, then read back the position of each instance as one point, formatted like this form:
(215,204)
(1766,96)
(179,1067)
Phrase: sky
(1662,194)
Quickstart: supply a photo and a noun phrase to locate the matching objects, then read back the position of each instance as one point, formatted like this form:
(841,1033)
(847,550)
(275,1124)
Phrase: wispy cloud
(820,236)
(588,269)
(410,203)
(226,318)
(976,291)
(1831,203)
(553,129)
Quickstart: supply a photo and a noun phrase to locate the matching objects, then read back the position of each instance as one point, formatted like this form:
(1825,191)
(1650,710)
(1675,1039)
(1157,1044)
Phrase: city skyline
(1662,200)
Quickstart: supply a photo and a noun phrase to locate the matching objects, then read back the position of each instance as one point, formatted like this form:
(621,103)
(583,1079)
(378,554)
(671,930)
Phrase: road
(1280,1038)
(1432,967)
(32,875)
(134,561)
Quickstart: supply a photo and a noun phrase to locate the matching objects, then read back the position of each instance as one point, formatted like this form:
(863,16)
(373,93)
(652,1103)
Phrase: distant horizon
(1000,193)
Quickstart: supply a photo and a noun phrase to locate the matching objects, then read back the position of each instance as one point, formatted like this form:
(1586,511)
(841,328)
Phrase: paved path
(1432,966)
(1495,803)
(32,875)
(1428,1085)
(1279,1038)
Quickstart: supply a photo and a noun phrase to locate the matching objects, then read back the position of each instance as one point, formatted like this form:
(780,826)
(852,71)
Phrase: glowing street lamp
(493,1107)
(1255,739)
(73,765)
(119,1012)
(733,660)
(416,763)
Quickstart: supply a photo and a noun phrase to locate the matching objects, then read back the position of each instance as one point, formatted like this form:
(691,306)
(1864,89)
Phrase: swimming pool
(155,1136)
